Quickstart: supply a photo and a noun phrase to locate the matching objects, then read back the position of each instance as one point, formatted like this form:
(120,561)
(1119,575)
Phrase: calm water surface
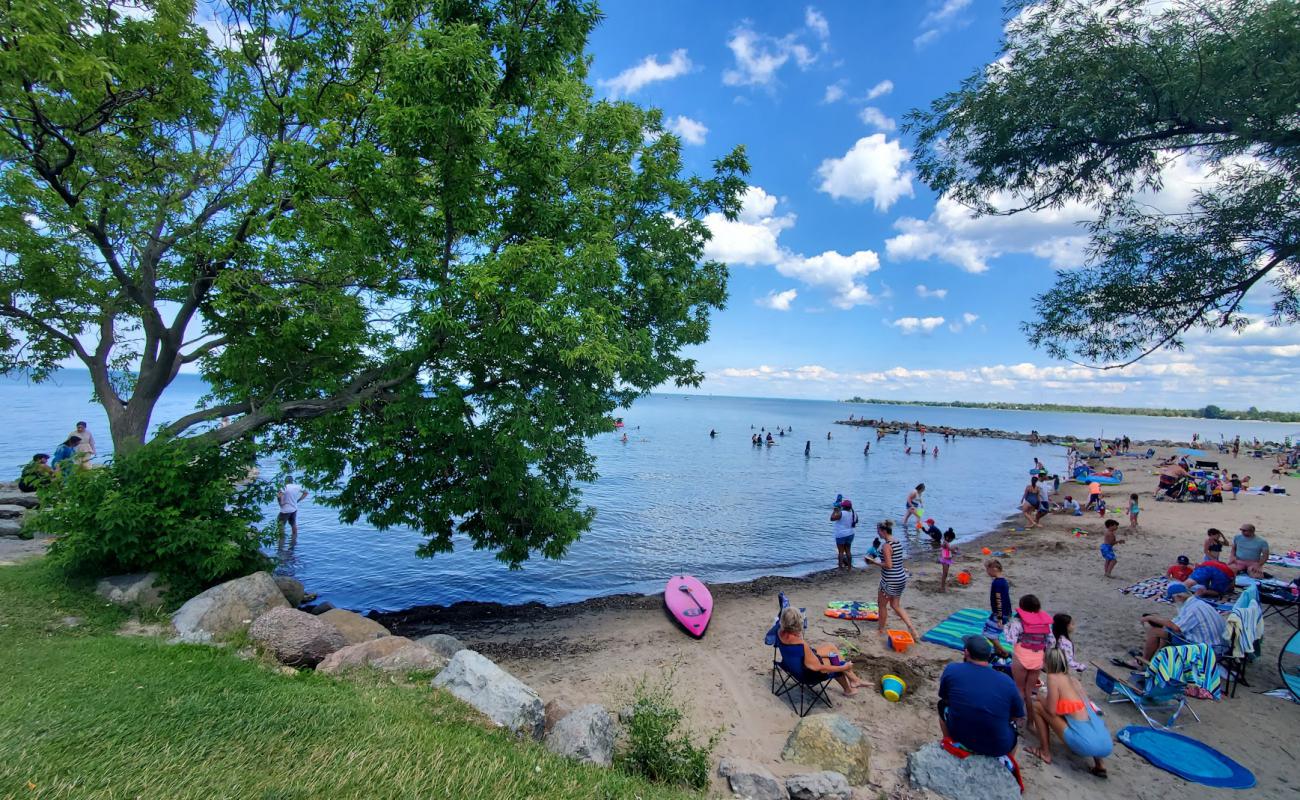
(668,500)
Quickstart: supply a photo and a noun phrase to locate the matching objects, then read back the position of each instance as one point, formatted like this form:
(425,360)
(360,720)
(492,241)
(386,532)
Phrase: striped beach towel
(956,627)
(1192,664)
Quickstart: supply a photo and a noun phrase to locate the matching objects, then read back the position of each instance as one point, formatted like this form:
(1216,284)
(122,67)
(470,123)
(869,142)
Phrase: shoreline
(894,427)
(467,614)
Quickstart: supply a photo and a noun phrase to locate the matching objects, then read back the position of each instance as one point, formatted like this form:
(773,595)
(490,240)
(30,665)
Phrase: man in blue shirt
(978,706)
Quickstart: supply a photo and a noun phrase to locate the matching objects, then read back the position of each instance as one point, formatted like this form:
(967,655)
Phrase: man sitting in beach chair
(1197,622)
(798,665)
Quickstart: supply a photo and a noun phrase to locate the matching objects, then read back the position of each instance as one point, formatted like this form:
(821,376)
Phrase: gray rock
(825,785)
(226,608)
(500,696)
(361,655)
(972,778)
(295,638)
(586,735)
(321,608)
(10,511)
(13,497)
(442,644)
(138,589)
(751,781)
(292,589)
(354,627)
(11,527)
(414,657)
(830,741)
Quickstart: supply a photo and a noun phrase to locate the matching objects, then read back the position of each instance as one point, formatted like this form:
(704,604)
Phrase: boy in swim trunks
(1108,543)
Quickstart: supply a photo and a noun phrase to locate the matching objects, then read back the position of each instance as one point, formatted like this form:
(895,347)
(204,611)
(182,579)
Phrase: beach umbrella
(1288,664)
(1187,451)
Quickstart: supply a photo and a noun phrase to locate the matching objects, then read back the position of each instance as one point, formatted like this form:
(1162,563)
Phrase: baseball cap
(978,647)
(1175,589)
(1184,560)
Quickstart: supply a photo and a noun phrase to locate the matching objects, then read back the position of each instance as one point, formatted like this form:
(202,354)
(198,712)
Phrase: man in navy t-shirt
(977,704)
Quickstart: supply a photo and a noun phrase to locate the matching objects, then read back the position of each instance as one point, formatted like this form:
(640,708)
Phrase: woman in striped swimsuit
(893,579)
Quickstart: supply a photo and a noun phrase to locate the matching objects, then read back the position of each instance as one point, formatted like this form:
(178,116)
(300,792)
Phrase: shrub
(173,506)
(655,744)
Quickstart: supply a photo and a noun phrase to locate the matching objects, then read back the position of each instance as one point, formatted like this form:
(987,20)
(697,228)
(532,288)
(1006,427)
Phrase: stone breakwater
(1034,437)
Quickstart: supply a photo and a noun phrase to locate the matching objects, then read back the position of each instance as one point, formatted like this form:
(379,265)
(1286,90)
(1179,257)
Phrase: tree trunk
(128,423)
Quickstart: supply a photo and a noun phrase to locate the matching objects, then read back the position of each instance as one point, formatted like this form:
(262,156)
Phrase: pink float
(689,603)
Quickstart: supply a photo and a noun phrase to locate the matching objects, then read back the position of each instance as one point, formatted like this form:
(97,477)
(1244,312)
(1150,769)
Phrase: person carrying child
(1028,632)
(945,557)
(845,519)
(1108,543)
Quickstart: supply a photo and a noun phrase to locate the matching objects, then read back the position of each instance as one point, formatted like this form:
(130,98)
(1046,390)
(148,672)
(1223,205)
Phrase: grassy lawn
(89,714)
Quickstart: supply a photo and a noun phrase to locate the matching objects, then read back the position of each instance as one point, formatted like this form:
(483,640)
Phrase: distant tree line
(1208,412)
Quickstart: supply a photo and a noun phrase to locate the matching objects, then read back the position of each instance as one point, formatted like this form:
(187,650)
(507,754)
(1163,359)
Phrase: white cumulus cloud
(937,294)
(834,93)
(689,130)
(917,324)
(778,301)
(752,239)
(967,319)
(873,169)
(648,71)
(870,115)
(760,56)
(816,23)
(942,18)
(880,89)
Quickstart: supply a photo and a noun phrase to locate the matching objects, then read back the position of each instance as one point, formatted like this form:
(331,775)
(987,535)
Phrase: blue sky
(848,275)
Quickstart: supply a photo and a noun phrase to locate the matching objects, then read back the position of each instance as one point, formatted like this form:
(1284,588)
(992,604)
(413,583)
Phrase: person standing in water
(914,504)
(845,519)
(866,449)
(807,448)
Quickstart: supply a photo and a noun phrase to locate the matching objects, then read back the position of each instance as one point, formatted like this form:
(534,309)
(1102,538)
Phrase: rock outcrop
(824,785)
(226,608)
(292,589)
(971,778)
(295,638)
(831,742)
(586,735)
(138,589)
(442,644)
(354,627)
(750,781)
(497,694)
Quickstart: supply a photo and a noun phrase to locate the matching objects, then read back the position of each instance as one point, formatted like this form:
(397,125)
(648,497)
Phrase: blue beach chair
(1155,697)
(789,674)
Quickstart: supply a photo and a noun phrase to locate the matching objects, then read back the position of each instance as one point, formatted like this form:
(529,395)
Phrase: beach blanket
(1284,561)
(1192,664)
(1247,618)
(1186,757)
(1154,589)
(956,627)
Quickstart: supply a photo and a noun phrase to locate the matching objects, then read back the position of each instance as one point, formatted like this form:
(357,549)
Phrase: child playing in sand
(1094,495)
(1133,511)
(1236,486)
(1108,543)
(945,557)
(1028,632)
(1072,507)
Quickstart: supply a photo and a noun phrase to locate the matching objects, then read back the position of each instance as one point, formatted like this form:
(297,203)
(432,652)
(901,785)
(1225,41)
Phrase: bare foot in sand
(1043,753)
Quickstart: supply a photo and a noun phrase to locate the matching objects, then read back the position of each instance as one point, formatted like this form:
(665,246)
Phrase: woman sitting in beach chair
(806,664)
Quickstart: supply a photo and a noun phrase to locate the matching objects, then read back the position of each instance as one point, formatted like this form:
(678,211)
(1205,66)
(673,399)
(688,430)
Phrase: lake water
(668,500)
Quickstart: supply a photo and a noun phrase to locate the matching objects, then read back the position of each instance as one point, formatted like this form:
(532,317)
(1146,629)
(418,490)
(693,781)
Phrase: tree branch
(204,349)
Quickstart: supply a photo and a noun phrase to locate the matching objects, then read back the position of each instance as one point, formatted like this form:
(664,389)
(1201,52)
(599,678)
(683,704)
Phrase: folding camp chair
(1153,697)
(789,674)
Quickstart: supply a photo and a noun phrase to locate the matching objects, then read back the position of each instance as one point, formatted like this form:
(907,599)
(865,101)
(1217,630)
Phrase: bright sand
(594,652)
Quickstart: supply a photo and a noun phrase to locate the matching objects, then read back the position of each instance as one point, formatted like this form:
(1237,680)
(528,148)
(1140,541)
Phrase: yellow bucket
(893,688)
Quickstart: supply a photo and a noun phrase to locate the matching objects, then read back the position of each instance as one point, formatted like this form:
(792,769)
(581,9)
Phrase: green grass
(89,714)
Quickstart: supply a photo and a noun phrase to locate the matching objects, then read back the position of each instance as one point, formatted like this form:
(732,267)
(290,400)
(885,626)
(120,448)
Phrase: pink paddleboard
(689,602)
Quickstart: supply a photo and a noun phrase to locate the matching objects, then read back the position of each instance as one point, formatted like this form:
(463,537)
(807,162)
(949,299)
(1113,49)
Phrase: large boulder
(361,655)
(140,589)
(414,657)
(500,696)
(971,778)
(825,785)
(586,735)
(751,781)
(442,644)
(831,742)
(354,627)
(11,511)
(227,608)
(11,527)
(295,638)
(553,712)
(13,497)
(292,589)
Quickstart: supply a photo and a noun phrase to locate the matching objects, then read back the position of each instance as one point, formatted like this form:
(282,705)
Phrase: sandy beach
(596,651)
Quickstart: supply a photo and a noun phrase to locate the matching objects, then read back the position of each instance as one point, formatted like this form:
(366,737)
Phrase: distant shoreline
(1253,415)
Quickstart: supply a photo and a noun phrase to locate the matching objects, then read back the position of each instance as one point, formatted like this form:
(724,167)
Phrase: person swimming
(712,433)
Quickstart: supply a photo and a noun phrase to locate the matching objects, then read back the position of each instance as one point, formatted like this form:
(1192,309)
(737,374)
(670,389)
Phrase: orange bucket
(900,640)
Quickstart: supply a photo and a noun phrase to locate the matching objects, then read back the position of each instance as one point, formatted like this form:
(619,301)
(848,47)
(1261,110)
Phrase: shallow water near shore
(670,499)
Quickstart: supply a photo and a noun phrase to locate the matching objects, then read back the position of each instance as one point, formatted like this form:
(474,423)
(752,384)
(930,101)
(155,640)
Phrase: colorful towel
(1154,589)
(951,631)
(1247,621)
(1284,561)
(1192,664)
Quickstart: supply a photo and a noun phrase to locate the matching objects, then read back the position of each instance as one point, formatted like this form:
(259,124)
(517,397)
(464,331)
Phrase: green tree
(399,239)
(1088,102)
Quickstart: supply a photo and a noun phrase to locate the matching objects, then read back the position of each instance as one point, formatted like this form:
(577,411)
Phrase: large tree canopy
(398,238)
(1089,102)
